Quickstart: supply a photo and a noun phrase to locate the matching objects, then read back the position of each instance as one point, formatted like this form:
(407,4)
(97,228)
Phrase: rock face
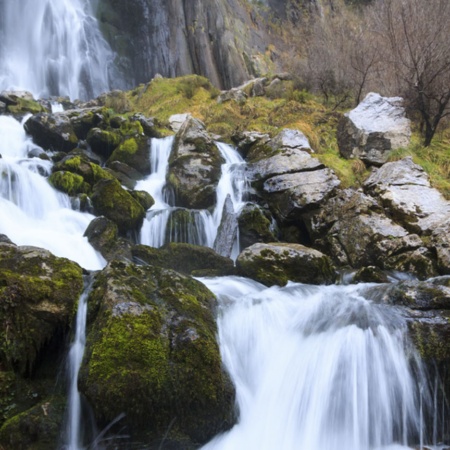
(277,263)
(194,166)
(374,128)
(152,354)
(174,38)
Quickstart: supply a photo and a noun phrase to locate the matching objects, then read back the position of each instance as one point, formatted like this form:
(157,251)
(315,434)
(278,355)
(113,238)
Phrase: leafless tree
(417,43)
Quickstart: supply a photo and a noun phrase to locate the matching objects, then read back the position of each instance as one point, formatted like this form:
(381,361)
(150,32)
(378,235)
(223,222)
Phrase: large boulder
(404,189)
(353,228)
(20,103)
(52,131)
(278,263)
(38,294)
(374,128)
(194,166)
(134,151)
(152,354)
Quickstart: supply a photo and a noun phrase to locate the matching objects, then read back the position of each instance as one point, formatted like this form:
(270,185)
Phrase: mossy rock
(84,120)
(38,294)
(68,182)
(185,258)
(80,165)
(25,106)
(35,429)
(103,142)
(135,152)
(112,201)
(144,199)
(151,353)
(278,263)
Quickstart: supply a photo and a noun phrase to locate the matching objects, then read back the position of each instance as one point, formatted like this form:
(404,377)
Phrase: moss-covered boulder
(103,142)
(20,103)
(185,258)
(256,225)
(135,152)
(151,354)
(144,199)
(109,199)
(38,295)
(194,166)
(83,120)
(103,235)
(52,131)
(36,429)
(79,174)
(278,263)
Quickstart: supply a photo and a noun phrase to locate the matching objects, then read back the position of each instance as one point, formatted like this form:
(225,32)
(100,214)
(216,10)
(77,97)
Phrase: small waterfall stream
(53,48)
(32,211)
(317,367)
(164,222)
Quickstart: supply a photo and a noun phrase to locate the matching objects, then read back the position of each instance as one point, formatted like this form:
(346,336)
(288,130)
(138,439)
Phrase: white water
(166,223)
(316,368)
(75,358)
(31,211)
(53,47)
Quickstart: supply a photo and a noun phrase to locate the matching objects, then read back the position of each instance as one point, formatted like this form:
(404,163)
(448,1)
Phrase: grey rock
(234,94)
(404,189)
(11,97)
(227,232)
(374,128)
(177,120)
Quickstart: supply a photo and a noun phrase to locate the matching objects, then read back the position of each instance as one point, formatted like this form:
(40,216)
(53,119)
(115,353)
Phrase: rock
(68,182)
(278,263)
(135,152)
(124,173)
(234,94)
(440,244)
(38,292)
(109,199)
(374,128)
(148,125)
(177,120)
(244,140)
(227,231)
(103,142)
(52,131)
(370,274)
(144,198)
(103,235)
(292,194)
(194,166)
(83,120)
(13,97)
(256,226)
(152,354)
(404,190)
(20,103)
(187,259)
(353,228)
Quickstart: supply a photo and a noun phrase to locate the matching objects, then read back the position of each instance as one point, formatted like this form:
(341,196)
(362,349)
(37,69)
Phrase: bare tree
(417,34)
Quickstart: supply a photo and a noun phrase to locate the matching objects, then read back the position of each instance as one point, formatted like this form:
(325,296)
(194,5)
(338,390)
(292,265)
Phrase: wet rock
(20,103)
(103,142)
(227,231)
(244,140)
(256,225)
(52,131)
(109,199)
(152,354)
(187,259)
(277,263)
(134,151)
(404,190)
(125,174)
(194,166)
(148,125)
(374,128)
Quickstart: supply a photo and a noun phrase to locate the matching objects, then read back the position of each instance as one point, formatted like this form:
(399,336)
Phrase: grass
(163,97)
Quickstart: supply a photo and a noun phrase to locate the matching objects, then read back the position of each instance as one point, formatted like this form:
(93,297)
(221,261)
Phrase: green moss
(24,106)
(68,182)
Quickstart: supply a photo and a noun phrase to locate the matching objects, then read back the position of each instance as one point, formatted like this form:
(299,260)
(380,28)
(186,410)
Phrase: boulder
(187,259)
(194,166)
(38,293)
(177,120)
(374,128)
(147,124)
(404,189)
(227,231)
(20,103)
(244,140)
(352,228)
(152,354)
(278,263)
(52,131)
(103,142)
(109,199)
(134,151)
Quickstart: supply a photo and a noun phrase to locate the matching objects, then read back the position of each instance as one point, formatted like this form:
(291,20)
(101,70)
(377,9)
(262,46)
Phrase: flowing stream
(54,48)
(317,367)
(167,223)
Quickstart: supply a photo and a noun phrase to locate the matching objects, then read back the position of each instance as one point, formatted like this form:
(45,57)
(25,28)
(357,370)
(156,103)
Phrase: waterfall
(317,367)
(53,48)
(73,435)
(167,223)
(33,212)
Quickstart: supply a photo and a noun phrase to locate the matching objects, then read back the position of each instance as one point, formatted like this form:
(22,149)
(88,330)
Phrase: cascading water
(53,48)
(318,368)
(166,223)
(32,212)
